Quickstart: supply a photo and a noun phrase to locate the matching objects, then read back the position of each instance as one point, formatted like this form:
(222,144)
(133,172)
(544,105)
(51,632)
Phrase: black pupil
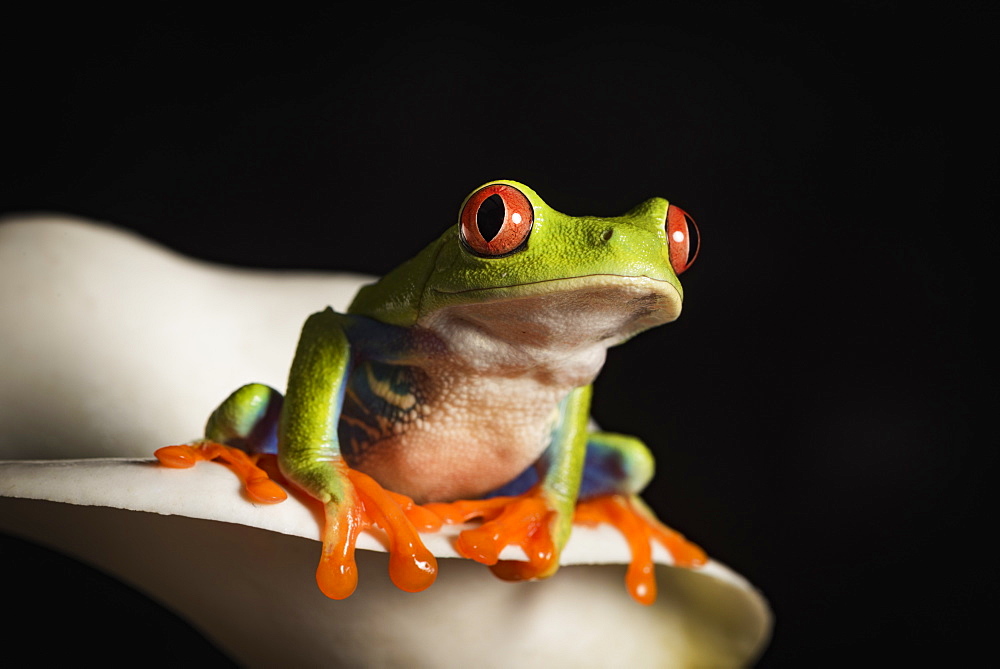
(489,218)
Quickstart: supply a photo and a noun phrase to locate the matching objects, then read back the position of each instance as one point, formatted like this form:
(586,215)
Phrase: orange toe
(259,486)
(640,528)
(411,566)
(522,521)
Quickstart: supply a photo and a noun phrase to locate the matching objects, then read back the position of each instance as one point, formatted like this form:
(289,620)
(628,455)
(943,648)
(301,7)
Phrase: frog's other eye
(496,221)
(683,238)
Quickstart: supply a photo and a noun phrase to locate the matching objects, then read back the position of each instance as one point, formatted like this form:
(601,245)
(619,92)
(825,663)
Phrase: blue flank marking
(602,472)
(374,340)
(518,486)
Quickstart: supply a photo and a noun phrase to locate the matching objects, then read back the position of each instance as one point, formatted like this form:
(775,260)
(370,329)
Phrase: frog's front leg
(539,520)
(619,467)
(246,428)
(309,456)
(606,481)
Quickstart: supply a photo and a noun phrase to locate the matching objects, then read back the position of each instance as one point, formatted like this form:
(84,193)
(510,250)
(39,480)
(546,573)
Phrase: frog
(456,389)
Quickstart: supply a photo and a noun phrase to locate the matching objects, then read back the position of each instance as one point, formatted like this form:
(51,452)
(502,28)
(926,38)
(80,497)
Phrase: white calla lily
(112,346)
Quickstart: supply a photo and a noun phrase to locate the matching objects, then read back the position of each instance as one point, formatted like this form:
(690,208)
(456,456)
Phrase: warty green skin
(495,359)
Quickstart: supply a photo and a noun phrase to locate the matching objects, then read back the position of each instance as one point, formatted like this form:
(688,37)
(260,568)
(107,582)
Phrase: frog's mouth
(596,308)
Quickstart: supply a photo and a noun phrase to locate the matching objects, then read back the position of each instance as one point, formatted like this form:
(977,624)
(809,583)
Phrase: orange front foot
(256,481)
(640,527)
(362,504)
(411,566)
(523,521)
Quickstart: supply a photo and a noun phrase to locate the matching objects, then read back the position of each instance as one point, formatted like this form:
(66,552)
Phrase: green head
(511,253)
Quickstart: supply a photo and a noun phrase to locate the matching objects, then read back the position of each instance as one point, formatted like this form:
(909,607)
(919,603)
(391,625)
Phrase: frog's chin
(577,311)
(559,330)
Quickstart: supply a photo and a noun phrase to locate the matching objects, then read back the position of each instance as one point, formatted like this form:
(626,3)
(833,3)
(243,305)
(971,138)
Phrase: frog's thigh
(247,419)
(615,464)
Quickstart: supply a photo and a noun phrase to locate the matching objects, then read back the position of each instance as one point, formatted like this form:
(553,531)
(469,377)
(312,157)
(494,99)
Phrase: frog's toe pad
(522,521)
(178,457)
(640,528)
(259,486)
(411,566)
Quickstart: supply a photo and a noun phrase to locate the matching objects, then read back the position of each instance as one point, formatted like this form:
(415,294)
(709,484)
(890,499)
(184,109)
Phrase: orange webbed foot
(523,521)
(259,486)
(363,504)
(639,527)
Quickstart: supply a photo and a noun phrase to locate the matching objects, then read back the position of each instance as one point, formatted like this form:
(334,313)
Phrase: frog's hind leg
(239,434)
(247,420)
(616,464)
(617,468)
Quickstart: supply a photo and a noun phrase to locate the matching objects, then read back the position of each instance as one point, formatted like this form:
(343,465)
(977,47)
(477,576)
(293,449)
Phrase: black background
(811,411)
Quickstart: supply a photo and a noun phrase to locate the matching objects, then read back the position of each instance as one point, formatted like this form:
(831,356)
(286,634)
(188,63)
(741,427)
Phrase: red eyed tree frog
(460,382)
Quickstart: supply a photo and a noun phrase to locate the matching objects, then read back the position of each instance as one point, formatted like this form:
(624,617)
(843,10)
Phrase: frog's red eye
(496,221)
(683,238)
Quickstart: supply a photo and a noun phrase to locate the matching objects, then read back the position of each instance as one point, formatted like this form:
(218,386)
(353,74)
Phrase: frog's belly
(431,469)
(452,445)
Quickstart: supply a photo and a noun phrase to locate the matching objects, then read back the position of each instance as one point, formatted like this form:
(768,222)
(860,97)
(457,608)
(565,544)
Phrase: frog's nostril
(607,235)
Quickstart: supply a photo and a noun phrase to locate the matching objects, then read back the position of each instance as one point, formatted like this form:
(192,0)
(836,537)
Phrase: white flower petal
(109,343)
(247,580)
